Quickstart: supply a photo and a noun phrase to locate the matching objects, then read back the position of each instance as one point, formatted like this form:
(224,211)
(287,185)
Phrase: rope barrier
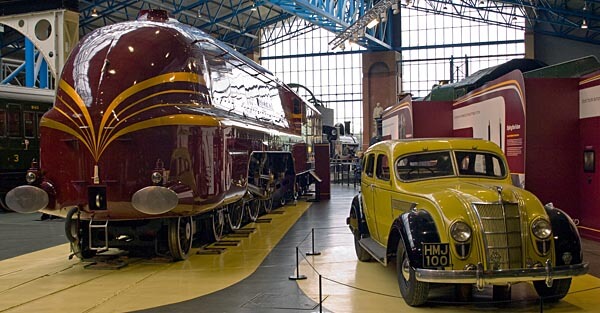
(321,276)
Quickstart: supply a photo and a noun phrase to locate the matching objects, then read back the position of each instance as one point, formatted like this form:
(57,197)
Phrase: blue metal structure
(241,23)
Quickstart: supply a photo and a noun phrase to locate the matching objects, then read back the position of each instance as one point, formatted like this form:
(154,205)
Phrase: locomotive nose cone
(26,199)
(154,200)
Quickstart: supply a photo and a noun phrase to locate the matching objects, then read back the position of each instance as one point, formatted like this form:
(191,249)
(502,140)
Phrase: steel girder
(233,21)
(240,22)
(560,18)
(341,18)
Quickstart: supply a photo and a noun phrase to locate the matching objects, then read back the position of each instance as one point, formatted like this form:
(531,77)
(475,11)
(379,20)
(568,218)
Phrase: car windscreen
(424,165)
(479,163)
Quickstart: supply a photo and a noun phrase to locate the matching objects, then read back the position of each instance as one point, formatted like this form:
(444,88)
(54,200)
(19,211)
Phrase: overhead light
(481,2)
(584,24)
(373,23)
(383,17)
(94,12)
(199,13)
(396,8)
(253,6)
(445,7)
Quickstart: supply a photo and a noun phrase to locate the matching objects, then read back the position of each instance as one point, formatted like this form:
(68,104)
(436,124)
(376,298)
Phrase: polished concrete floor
(252,276)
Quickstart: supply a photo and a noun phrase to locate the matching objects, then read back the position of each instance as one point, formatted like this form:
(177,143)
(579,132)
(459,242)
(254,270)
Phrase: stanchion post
(298,276)
(541,304)
(320,295)
(313,244)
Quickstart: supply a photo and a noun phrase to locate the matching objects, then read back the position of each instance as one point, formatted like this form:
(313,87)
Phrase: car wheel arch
(413,228)
(357,209)
(566,236)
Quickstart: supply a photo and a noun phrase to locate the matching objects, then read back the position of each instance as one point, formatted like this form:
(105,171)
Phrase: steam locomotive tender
(159,134)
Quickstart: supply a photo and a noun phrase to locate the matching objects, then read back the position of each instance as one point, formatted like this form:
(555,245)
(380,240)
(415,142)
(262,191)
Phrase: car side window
(424,166)
(14,121)
(480,164)
(370,164)
(383,167)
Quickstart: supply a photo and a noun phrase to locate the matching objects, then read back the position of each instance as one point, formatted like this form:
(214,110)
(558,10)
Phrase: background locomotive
(20,113)
(159,133)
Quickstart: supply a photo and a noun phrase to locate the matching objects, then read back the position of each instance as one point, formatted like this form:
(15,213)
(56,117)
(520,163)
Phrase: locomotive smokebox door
(97,197)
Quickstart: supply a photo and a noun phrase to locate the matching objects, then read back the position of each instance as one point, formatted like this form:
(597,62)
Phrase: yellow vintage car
(446,212)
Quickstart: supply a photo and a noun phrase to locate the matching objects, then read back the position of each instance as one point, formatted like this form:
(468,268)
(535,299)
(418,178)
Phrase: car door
(382,194)
(367,185)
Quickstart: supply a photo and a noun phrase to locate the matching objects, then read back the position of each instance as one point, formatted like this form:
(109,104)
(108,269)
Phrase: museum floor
(250,274)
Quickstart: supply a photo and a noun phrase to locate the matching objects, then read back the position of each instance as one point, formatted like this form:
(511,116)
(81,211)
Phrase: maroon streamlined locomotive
(159,133)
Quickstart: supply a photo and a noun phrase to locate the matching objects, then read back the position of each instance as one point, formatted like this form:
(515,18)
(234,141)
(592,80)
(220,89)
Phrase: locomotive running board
(376,250)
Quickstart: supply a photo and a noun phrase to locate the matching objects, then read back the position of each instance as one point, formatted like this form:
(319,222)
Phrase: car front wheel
(361,253)
(413,291)
(559,289)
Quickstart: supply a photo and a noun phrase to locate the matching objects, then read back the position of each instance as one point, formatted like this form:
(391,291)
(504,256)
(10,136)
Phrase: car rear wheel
(413,291)
(559,289)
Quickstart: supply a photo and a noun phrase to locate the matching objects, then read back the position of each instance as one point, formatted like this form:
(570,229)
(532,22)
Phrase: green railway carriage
(20,112)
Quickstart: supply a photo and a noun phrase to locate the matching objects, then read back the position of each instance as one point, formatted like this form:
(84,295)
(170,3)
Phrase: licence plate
(436,254)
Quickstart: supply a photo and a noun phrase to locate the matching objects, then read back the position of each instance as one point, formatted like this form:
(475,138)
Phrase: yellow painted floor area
(349,285)
(46,281)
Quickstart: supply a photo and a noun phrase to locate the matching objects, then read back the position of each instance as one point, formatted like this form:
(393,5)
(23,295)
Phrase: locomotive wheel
(267,205)
(282,201)
(235,214)
(253,209)
(180,237)
(297,190)
(218,224)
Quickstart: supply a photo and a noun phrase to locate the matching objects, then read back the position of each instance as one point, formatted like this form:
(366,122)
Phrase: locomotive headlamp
(460,231)
(541,229)
(30,177)
(156,177)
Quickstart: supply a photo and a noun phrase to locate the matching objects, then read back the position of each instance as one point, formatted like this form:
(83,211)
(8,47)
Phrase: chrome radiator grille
(501,235)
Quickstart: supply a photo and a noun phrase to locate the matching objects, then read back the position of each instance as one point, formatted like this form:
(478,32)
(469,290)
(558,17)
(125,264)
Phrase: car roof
(405,146)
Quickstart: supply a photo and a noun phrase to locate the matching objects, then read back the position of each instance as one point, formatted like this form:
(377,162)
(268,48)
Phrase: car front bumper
(483,277)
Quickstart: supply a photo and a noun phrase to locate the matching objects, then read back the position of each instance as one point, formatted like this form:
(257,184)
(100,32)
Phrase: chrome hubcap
(406,270)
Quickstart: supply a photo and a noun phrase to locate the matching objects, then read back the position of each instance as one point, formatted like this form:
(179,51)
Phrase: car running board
(374,249)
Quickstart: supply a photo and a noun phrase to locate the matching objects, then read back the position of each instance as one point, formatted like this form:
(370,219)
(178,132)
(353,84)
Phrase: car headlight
(460,231)
(30,177)
(156,177)
(541,229)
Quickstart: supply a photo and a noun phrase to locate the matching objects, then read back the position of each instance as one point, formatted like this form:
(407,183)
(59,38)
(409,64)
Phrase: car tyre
(501,293)
(559,289)
(361,253)
(413,291)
